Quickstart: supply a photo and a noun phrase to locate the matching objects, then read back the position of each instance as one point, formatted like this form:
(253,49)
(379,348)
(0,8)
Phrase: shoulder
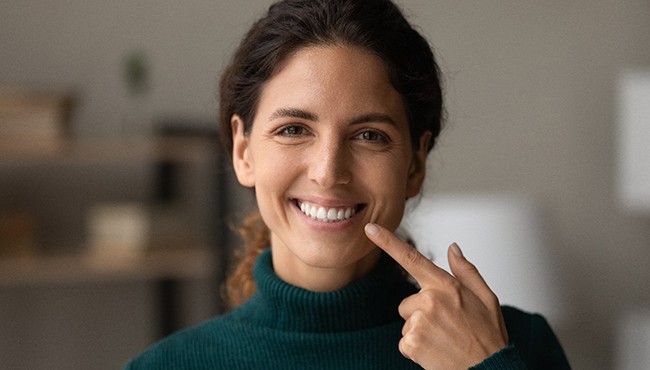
(534,339)
(201,347)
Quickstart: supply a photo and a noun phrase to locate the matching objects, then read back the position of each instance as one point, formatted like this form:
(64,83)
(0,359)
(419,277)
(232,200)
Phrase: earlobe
(417,169)
(241,159)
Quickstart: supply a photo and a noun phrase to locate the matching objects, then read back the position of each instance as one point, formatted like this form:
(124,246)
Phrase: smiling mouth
(327,214)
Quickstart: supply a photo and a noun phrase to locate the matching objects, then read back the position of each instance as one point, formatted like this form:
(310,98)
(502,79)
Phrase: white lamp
(633,340)
(633,188)
(634,141)
(502,235)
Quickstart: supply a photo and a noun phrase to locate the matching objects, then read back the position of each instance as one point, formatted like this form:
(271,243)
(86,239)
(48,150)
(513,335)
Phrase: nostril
(330,174)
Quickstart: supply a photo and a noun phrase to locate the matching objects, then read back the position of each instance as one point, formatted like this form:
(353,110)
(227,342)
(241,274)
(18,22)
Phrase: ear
(241,158)
(418,166)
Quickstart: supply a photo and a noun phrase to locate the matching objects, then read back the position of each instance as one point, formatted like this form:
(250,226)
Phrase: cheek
(387,181)
(389,177)
(275,173)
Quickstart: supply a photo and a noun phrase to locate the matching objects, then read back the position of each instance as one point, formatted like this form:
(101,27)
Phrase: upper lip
(327,202)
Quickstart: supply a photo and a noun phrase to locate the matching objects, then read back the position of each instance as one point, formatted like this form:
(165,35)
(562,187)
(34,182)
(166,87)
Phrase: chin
(328,257)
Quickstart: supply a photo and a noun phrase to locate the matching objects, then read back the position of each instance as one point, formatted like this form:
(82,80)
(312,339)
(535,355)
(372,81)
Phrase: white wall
(532,94)
(531,89)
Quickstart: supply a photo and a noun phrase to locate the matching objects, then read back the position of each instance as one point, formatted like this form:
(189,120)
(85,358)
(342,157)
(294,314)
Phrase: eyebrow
(299,113)
(373,117)
(294,113)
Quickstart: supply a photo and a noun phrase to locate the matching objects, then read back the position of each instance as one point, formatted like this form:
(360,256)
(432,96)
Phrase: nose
(330,164)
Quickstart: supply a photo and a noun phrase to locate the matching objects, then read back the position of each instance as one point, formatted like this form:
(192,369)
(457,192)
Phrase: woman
(329,109)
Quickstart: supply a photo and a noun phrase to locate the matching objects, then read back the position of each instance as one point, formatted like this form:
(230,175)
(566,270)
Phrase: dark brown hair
(377,26)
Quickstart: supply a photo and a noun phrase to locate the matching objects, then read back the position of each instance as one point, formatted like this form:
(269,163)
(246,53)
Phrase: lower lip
(328,226)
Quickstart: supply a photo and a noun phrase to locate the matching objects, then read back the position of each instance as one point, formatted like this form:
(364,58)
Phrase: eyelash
(299,130)
(283,131)
(381,137)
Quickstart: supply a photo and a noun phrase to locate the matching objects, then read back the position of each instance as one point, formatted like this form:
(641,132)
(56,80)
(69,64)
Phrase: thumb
(469,276)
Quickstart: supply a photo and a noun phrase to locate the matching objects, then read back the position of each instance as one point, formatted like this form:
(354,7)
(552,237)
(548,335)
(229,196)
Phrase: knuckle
(410,346)
(428,300)
(419,324)
(405,330)
(454,293)
(417,319)
(404,349)
(409,342)
(453,285)
(493,300)
(403,312)
(412,256)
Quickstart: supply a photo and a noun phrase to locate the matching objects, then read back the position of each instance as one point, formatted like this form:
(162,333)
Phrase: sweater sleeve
(506,359)
(534,340)
(533,345)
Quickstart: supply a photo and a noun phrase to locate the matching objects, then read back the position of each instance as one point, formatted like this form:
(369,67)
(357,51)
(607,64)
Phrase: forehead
(326,77)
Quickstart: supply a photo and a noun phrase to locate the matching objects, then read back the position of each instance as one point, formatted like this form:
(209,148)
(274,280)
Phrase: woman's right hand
(454,321)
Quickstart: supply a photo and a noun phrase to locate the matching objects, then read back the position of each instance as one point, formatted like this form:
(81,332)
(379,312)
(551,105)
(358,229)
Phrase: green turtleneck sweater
(358,327)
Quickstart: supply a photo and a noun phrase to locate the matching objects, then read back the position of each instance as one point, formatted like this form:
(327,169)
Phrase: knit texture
(286,327)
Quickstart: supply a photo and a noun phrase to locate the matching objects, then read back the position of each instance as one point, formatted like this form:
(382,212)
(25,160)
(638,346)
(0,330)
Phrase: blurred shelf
(153,265)
(104,150)
(172,154)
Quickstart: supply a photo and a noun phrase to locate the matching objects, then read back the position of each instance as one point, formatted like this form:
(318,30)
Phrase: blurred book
(17,234)
(33,120)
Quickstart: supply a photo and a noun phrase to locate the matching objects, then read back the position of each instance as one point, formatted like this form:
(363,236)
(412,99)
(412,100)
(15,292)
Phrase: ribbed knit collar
(369,302)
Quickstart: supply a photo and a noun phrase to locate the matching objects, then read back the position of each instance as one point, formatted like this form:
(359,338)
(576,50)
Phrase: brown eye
(372,136)
(292,130)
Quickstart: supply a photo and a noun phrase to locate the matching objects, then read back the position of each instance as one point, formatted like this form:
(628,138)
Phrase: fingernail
(456,250)
(372,229)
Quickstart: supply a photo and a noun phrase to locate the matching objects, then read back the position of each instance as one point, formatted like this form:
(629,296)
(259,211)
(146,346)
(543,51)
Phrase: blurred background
(114,195)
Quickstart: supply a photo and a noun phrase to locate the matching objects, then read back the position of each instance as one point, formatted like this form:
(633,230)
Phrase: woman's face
(328,152)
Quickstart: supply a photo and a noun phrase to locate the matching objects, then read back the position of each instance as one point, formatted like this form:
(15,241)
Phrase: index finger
(414,262)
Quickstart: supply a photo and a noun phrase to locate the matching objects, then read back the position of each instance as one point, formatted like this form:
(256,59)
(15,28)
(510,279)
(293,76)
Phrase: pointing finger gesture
(454,321)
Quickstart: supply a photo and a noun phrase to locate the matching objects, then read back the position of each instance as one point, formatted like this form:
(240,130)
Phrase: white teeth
(326,214)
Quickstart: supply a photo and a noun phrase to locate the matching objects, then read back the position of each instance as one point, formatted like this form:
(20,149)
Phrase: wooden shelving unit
(89,151)
(152,265)
(163,266)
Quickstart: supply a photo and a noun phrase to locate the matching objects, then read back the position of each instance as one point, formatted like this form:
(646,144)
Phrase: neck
(369,302)
(319,278)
